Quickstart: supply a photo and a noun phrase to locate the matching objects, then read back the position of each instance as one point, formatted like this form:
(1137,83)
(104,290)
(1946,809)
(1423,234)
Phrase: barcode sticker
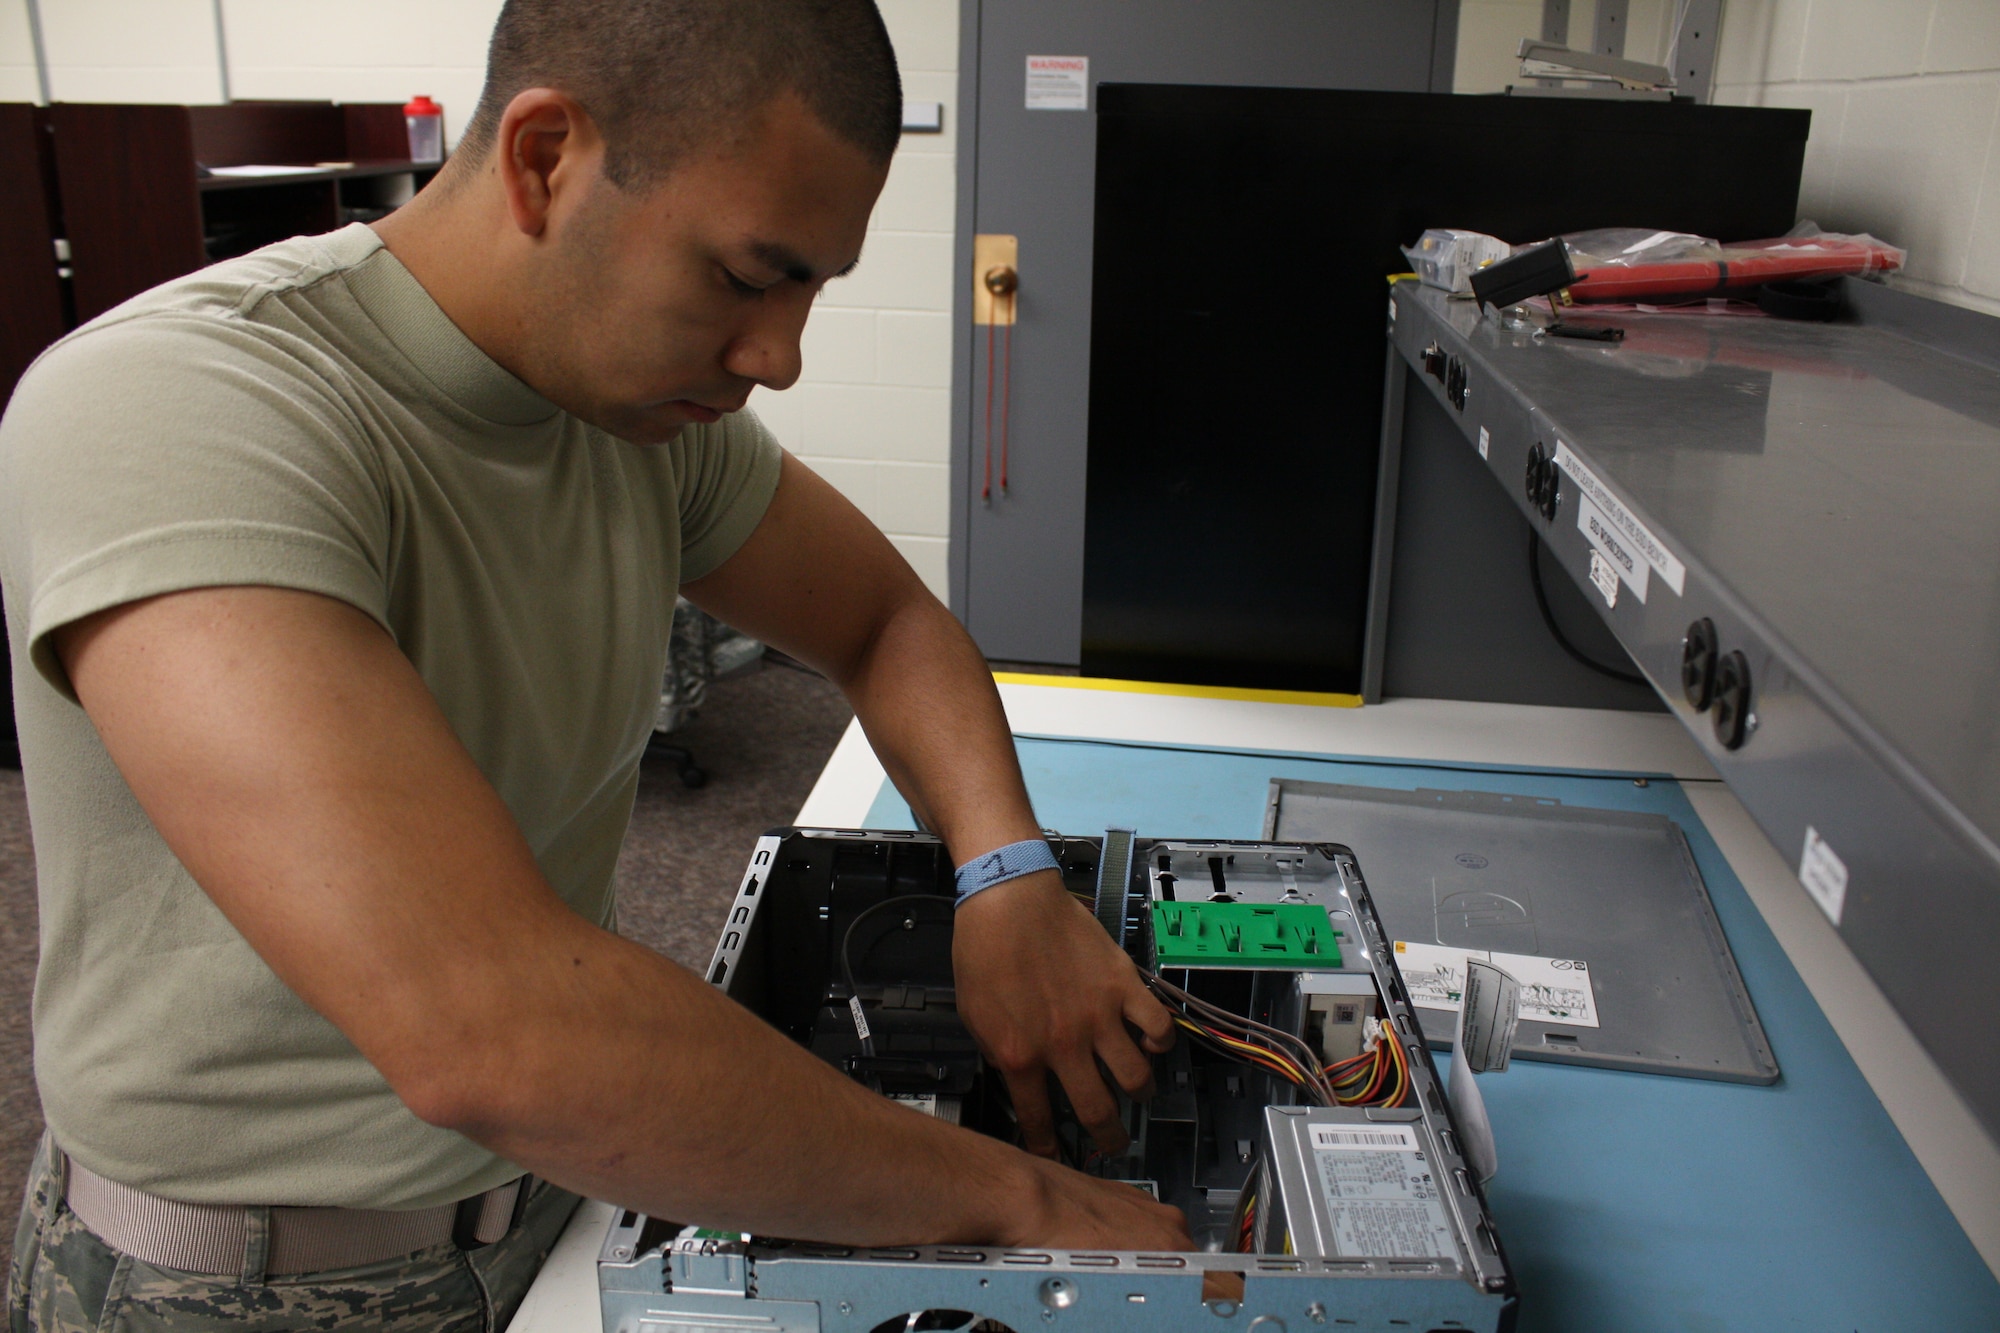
(1375,1137)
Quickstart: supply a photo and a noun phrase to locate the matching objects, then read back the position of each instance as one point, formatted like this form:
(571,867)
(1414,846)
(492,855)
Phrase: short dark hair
(658,76)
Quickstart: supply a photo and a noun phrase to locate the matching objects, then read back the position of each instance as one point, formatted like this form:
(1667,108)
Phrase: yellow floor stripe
(1312,697)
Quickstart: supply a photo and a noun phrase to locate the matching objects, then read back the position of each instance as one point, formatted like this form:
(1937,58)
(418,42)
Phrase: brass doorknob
(1001,280)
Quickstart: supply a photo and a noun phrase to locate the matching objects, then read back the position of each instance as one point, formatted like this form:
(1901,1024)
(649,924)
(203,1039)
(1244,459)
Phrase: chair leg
(691,773)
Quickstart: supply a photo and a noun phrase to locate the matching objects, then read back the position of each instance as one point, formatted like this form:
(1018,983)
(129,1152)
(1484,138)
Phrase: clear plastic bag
(1806,238)
(1627,247)
(1445,257)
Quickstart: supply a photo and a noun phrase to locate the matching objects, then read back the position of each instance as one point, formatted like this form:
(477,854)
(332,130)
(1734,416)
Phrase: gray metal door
(1017,558)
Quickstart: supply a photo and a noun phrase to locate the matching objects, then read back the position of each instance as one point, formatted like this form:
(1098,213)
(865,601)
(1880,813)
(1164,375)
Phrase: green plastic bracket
(1293,935)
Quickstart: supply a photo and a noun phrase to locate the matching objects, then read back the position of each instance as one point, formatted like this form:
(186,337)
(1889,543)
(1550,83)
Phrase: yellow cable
(1258,1055)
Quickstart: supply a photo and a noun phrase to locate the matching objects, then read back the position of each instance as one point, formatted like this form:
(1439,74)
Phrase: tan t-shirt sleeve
(173,452)
(725,476)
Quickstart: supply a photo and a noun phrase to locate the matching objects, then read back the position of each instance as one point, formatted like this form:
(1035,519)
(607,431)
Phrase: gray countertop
(1842,481)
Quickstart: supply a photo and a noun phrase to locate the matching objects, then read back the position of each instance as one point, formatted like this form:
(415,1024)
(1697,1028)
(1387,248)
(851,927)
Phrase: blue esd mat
(1627,1202)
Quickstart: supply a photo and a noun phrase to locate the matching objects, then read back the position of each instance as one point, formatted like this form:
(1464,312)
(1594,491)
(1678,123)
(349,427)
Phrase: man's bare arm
(297,765)
(1040,984)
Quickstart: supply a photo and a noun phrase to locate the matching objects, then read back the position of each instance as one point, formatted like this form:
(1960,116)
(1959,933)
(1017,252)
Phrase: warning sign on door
(1058,83)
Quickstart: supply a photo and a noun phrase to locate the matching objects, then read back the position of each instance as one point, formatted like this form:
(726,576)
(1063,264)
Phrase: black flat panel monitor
(1242,241)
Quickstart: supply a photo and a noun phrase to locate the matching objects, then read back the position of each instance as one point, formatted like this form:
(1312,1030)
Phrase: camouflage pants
(65,1280)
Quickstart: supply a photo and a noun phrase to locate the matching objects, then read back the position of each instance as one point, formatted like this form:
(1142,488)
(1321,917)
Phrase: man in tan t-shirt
(339,579)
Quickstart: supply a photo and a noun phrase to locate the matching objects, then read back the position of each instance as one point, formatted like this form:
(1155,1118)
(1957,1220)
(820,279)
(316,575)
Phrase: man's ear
(548,145)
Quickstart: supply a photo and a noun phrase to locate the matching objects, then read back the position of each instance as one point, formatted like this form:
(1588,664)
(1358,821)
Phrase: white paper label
(1396,1138)
(1475,1129)
(1631,567)
(1392,310)
(1553,990)
(1643,541)
(1058,83)
(1605,578)
(860,1019)
(1485,441)
(1488,1018)
(917,1101)
(1824,874)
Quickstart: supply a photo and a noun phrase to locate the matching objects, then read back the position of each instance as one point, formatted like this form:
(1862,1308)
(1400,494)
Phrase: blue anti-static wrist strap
(1002,864)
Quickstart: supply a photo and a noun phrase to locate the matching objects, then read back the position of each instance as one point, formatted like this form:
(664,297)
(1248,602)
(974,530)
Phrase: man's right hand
(293,759)
(1079,1212)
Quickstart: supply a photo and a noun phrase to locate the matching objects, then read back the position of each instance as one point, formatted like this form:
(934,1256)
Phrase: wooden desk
(138,211)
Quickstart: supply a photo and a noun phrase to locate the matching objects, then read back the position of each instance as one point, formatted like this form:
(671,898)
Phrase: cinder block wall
(872,411)
(1905,95)
(17,55)
(115,50)
(361,50)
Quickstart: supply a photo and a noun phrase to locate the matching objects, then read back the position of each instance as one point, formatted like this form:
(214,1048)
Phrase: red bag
(1628,265)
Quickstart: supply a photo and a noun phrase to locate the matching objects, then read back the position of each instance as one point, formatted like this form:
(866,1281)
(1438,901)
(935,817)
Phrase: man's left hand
(1040,984)
(1043,988)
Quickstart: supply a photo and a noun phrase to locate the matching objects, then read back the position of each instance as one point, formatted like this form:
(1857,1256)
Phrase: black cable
(1555,630)
(847,948)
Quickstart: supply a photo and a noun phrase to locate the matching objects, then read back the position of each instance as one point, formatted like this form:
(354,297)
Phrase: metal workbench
(1828,496)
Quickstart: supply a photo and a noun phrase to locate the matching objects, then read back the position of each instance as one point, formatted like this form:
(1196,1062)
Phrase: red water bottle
(425,120)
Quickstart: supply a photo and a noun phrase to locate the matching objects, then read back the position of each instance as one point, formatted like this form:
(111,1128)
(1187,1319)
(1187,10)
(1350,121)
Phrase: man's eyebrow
(786,261)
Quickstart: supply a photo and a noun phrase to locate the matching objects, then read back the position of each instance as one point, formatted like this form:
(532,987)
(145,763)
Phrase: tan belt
(215,1239)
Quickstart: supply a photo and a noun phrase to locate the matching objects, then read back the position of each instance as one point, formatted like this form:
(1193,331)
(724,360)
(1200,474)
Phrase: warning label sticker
(1553,990)
(1058,83)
